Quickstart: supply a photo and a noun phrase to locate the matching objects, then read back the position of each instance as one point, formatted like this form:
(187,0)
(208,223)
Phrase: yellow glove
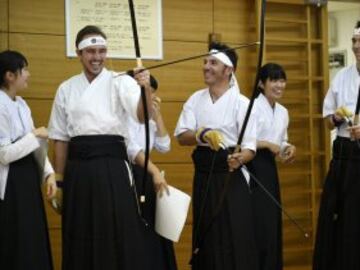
(213,137)
(343,112)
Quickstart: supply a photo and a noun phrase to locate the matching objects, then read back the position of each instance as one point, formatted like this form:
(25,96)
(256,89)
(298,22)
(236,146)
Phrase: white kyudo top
(16,137)
(272,122)
(225,115)
(136,140)
(101,107)
(343,91)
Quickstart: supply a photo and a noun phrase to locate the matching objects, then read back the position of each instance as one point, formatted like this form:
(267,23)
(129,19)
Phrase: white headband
(227,62)
(357,31)
(222,57)
(92,41)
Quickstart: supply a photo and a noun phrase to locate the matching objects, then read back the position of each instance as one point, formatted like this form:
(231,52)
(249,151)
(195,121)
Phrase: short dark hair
(153,81)
(272,71)
(227,50)
(357,24)
(12,61)
(88,30)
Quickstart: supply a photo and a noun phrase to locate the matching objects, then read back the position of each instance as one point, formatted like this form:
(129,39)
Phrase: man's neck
(90,76)
(216,91)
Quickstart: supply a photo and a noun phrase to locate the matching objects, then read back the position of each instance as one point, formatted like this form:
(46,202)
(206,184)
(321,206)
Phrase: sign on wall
(113,17)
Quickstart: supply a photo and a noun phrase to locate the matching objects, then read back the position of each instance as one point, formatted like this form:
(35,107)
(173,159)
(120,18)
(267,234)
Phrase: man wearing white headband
(338,233)
(88,123)
(211,120)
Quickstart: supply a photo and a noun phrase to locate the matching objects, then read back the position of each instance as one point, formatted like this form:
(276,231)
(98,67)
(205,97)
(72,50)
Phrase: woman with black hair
(272,142)
(160,251)
(24,240)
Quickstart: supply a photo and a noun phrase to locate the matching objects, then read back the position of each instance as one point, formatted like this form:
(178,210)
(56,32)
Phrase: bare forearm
(247,155)
(187,138)
(60,156)
(160,125)
(140,160)
(140,107)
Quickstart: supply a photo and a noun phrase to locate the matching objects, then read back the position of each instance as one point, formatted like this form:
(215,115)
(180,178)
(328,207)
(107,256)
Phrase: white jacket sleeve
(19,149)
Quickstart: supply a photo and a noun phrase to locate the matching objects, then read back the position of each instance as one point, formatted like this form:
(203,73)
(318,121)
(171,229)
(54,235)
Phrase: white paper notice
(171,213)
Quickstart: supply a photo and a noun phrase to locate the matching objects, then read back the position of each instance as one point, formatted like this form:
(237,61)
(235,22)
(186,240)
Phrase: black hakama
(160,252)
(24,240)
(267,216)
(338,232)
(229,243)
(101,224)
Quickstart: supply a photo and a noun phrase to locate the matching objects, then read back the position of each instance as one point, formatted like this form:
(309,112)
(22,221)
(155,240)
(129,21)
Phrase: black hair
(153,81)
(271,71)
(88,30)
(12,61)
(357,24)
(227,50)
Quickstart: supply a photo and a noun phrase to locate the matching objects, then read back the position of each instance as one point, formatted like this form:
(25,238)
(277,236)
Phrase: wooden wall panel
(294,30)
(176,82)
(285,11)
(47,63)
(3,41)
(187,20)
(178,154)
(40,16)
(235,21)
(4,16)
(294,41)
(55,240)
(37,30)
(40,109)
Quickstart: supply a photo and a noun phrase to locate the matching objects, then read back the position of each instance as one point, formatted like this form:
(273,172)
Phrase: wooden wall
(36,28)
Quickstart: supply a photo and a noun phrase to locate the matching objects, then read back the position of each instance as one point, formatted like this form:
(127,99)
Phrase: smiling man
(211,120)
(88,123)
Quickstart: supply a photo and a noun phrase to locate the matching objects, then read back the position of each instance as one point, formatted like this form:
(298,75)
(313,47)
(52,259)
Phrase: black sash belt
(88,147)
(345,149)
(203,158)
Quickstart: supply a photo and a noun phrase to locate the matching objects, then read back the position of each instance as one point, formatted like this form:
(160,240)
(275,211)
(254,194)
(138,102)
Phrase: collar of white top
(222,57)
(92,41)
(357,31)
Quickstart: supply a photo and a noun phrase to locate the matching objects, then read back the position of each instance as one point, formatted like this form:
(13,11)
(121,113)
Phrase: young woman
(273,120)
(24,240)
(160,251)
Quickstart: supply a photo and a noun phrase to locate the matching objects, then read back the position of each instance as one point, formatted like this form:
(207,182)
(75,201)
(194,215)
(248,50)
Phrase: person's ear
(261,85)
(229,70)
(9,77)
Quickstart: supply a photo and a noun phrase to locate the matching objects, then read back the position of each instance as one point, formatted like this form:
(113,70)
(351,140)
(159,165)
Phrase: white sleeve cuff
(48,169)
(162,144)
